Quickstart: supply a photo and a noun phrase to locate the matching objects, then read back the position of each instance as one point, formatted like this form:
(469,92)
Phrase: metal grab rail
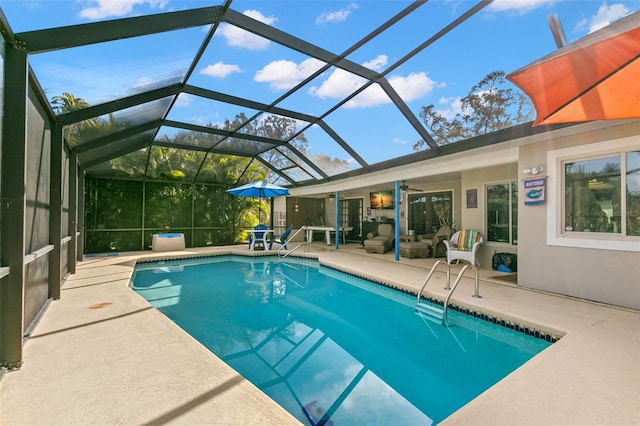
(446,300)
(433,269)
(453,288)
(304,228)
(433,311)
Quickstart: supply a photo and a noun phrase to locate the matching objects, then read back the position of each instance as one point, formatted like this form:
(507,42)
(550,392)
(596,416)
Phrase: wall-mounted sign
(472,198)
(534,191)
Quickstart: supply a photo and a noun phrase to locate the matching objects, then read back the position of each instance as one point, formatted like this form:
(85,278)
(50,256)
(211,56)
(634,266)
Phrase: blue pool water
(329,347)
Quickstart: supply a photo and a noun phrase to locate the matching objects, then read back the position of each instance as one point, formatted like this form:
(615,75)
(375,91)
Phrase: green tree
(331,166)
(271,126)
(66,103)
(489,106)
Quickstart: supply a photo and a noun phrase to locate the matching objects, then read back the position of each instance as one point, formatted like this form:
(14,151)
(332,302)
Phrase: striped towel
(467,238)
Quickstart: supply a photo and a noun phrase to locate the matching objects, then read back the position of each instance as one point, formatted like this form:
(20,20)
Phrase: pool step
(429,309)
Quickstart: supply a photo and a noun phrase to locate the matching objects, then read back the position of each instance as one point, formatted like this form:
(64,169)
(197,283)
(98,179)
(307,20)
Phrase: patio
(102,355)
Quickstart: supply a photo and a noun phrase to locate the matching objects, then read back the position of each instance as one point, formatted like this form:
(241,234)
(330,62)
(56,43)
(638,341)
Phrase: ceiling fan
(406,187)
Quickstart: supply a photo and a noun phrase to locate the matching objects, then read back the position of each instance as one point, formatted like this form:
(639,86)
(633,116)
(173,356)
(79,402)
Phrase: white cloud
(337,15)
(220,69)
(399,141)
(282,74)
(452,107)
(184,99)
(100,9)
(606,14)
(341,83)
(414,86)
(378,63)
(142,83)
(202,120)
(518,6)
(238,37)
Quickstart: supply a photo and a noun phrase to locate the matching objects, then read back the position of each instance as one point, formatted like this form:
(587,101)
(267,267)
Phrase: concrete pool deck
(102,355)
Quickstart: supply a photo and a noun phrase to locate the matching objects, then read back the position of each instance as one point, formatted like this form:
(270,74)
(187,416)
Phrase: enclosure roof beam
(400,104)
(116,154)
(114,137)
(234,100)
(98,32)
(226,133)
(117,105)
(267,31)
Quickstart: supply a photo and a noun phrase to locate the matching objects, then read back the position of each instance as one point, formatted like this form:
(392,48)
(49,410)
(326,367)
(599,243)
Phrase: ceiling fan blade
(406,187)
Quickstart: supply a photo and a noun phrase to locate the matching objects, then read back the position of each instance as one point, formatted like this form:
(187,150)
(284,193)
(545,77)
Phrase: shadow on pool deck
(102,355)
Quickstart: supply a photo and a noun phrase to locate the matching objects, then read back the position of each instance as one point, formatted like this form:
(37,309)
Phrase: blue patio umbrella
(259,189)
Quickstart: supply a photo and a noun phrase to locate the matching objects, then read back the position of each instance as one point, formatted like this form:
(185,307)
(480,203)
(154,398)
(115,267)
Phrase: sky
(504,36)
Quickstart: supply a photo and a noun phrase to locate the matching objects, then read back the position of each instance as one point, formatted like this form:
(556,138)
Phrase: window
(594,200)
(351,215)
(594,196)
(632,194)
(502,212)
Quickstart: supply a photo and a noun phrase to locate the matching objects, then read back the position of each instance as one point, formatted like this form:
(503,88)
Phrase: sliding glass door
(429,211)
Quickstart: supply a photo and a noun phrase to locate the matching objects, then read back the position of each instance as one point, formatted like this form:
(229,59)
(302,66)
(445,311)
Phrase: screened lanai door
(426,210)
(351,215)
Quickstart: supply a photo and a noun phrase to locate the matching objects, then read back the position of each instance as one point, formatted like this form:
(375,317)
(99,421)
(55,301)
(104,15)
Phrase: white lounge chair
(463,245)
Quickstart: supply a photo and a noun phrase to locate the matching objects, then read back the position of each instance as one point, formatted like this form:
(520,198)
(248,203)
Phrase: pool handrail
(305,243)
(433,269)
(444,311)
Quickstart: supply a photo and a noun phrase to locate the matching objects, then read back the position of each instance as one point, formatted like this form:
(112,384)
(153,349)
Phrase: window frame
(556,234)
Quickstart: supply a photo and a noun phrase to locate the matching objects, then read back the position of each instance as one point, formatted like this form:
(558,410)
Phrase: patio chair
(463,245)
(380,243)
(257,238)
(281,239)
(438,249)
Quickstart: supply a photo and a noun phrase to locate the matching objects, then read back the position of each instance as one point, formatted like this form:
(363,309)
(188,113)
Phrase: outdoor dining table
(265,237)
(328,230)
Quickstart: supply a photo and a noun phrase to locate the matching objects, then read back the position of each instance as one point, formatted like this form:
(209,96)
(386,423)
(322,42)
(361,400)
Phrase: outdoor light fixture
(296,206)
(533,170)
(332,197)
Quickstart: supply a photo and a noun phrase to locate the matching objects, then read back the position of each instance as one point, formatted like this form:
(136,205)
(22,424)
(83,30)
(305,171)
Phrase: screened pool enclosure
(149,167)
(115,130)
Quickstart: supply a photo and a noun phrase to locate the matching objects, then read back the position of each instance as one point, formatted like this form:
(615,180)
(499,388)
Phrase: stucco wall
(609,276)
(474,218)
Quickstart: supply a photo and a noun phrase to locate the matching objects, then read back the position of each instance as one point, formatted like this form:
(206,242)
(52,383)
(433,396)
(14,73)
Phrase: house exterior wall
(475,218)
(609,276)
(594,273)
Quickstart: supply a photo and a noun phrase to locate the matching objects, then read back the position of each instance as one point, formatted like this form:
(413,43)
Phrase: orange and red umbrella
(594,78)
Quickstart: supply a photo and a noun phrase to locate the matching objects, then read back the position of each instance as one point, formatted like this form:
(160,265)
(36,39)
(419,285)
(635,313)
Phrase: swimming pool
(330,347)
